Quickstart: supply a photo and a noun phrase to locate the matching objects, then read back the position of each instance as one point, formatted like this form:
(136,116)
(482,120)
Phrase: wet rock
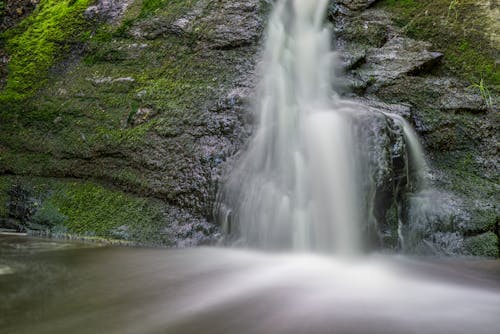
(381,143)
(186,230)
(399,57)
(449,114)
(347,7)
(370,28)
(13,11)
(21,205)
(114,85)
(434,216)
(222,25)
(402,109)
(440,243)
(154,28)
(455,96)
(107,10)
(121,232)
(231,24)
(351,55)
(356,4)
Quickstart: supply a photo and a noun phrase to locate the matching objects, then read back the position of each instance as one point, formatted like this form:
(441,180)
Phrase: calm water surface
(64,287)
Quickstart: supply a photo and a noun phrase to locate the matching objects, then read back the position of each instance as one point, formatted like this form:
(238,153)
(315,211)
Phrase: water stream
(302,183)
(49,287)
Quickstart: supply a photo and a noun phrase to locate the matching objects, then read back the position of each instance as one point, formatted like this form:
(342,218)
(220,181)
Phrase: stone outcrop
(453,119)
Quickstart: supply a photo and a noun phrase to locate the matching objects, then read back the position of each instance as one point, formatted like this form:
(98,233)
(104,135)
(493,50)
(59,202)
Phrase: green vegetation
(452,8)
(92,209)
(89,209)
(4,187)
(457,28)
(483,245)
(485,93)
(150,7)
(38,42)
(50,216)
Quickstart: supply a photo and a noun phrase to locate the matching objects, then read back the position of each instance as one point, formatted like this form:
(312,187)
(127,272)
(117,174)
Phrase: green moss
(150,7)
(458,31)
(483,245)
(4,187)
(87,208)
(50,216)
(38,42)
(92,209)
(481,194)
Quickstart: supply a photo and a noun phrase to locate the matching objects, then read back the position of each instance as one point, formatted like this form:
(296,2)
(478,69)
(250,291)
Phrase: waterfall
(300,183)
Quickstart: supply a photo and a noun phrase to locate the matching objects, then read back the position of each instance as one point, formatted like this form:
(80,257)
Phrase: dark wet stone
(231,24)
(371,28)
(399,57)
(356,4)
(107,10)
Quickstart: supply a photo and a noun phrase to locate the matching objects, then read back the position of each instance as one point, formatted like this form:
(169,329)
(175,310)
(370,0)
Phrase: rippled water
(60,287)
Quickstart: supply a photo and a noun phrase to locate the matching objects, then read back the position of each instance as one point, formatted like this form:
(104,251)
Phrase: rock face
(12,11)
(457,214)
(164,99)
(396,58)
(107,10)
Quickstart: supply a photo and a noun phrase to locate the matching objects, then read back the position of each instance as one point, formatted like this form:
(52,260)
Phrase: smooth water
(59,287)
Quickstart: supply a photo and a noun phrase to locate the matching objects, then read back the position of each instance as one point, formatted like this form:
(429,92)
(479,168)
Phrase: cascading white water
(301,183)
(416,152)
(296,185)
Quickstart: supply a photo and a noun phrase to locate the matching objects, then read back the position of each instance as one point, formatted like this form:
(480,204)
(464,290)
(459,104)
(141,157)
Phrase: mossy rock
(88,209)
(462,30)
(483,245)
(38,42)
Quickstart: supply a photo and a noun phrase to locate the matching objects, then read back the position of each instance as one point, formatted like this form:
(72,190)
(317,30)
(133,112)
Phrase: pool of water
(64,287)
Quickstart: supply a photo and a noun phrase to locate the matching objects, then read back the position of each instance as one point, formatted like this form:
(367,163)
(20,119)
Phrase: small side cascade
(413,208)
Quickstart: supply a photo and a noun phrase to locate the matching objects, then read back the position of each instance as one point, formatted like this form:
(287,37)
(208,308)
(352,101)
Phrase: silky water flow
(300,183)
